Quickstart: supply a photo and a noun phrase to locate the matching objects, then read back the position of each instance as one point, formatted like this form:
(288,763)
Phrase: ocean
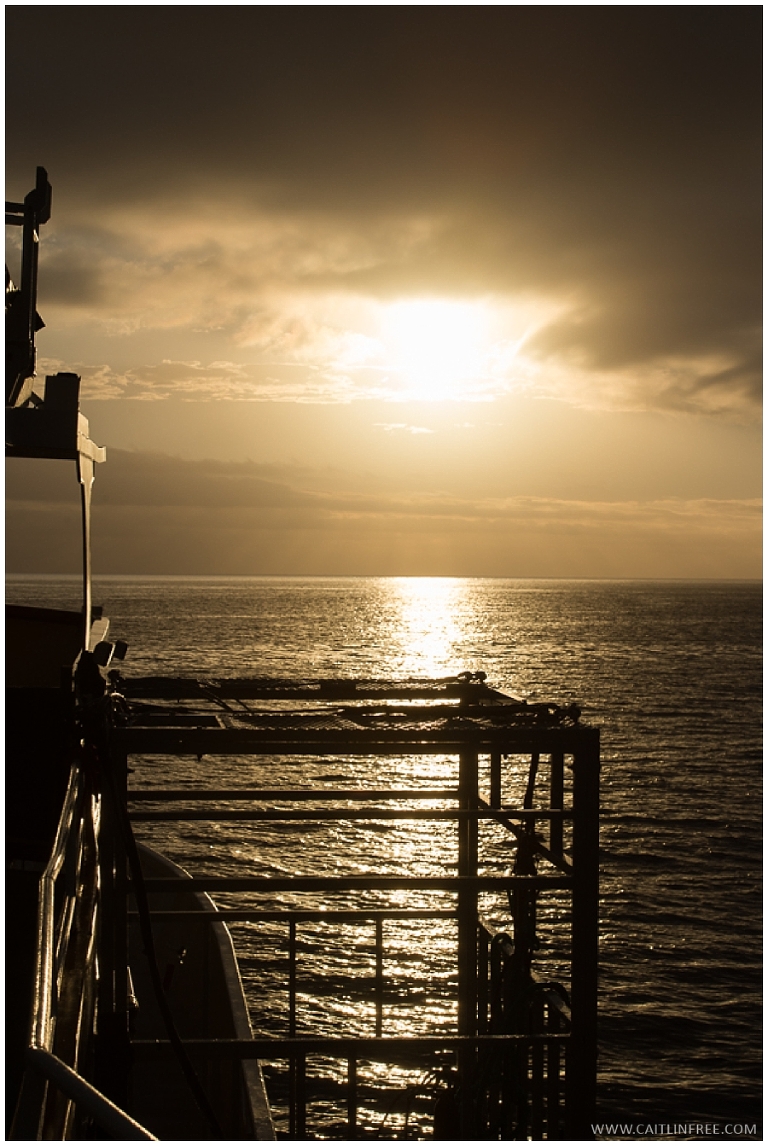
(669,671)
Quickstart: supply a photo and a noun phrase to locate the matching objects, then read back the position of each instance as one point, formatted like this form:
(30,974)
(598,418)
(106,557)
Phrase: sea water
(669,671)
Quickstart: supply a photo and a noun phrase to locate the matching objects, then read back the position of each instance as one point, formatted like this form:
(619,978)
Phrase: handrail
(375,1049)
(333,815)
(39,1051)
(108,1116)
(41,1033)
(447,883)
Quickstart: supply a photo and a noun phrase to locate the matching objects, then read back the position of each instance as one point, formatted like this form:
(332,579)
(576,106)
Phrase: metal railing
(522,1061)
(479,1074)
(65,984)
(509,1068)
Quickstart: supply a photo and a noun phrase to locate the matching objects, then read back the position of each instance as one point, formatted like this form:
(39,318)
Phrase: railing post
(553,1076)
(352,1097)
(379,984)
(496,988)
(297,1100)
(495,779)
(119,765)
(292,978)
(467,944)
(106,989)
(556,803)
(301,1097)
(467,953)
(113,1043)
(483,968)
(582,1060)
(297,1066)
(537,1076)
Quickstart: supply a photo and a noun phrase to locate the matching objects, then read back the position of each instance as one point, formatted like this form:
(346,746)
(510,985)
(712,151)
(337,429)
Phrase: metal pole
(85,475)
(556,802)
(297,1109)
(483,966)
(352,1097)
(495,779)
(108,830)
(292,1099)
(301,1097)
(467,897)
(292,978)
(553,1076)
(119,765)
(467,944)
(582,1060)
(536,1110)
(108,1116)
(379,988)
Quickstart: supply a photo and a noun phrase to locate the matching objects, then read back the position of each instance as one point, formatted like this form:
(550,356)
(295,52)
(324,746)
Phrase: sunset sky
(467,291)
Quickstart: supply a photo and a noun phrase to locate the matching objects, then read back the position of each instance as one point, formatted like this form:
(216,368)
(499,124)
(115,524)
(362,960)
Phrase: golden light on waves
(425,624)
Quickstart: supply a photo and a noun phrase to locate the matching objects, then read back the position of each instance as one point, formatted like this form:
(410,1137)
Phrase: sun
(436,346)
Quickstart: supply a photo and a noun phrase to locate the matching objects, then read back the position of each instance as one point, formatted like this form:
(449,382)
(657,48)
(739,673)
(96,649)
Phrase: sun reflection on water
(426,627)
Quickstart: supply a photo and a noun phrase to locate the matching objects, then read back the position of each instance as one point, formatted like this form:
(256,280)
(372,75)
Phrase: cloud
(141,479)
(535,540)
(274,177)
(157,514)
(216,381)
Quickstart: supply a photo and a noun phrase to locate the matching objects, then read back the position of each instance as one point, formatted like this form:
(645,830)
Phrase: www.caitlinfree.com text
(675,1129)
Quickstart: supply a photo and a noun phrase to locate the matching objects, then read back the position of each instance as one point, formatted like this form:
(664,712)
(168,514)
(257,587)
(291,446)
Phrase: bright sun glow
(411,349)
(435,345)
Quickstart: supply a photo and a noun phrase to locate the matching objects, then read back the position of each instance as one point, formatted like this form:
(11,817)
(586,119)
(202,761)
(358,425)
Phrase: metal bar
(582,1070)
(378,1050)
(531,785)
(352,1097)
(483,965)
(537,1081)
(467,940)
(301,1097)
(308,688)
(293,794)
(41,1032)
(246,915)
(356,883)
(85,475)
(112,1041)
(30,1108)
(553,1077)
(467,905)
(119,766)
(223,815)
(379,983)
(495,779)
(292,978)
(292,1100)
(556,803)
(76,971)
(532,815)
(107,840)
(279,741)
(495,991)
(32,1103)
(106,1115)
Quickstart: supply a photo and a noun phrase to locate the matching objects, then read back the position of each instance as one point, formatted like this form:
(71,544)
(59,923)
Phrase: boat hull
(202,982)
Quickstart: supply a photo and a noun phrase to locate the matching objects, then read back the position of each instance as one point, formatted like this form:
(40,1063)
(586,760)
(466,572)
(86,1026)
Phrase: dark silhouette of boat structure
(126,1014)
